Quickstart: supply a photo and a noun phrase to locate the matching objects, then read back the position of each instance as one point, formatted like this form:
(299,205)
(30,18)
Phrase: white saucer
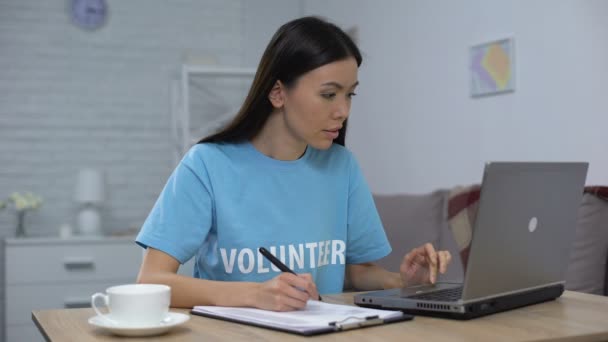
(173,319)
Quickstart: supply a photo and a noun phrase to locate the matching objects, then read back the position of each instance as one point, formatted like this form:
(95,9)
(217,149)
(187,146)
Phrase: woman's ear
(277,95)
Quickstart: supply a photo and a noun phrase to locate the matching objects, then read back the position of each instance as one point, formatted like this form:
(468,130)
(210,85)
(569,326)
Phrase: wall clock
(88,14)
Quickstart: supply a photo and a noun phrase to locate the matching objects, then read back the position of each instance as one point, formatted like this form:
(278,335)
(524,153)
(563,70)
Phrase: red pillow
(462,211)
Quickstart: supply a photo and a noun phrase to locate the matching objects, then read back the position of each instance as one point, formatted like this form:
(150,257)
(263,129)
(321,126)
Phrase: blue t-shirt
(224,201)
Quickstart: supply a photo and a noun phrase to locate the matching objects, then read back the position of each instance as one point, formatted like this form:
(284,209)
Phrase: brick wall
(71,98)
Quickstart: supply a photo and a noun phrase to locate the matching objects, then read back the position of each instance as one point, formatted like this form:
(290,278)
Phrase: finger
(408,259)
(421,261)
(411,261)
(417,263)
(294,303)
(415,259)
(443,261)
(314,293)
(285,303)
(430,252)
(306,276)
(296,294)
(432,261)
(448,259)
(303,285)
(416,254)
(420,250)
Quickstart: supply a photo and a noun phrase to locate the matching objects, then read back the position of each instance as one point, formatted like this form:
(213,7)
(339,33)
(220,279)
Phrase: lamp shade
(89,187)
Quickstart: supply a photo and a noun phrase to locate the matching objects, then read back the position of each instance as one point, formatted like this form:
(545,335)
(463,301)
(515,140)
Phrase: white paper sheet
(315,315)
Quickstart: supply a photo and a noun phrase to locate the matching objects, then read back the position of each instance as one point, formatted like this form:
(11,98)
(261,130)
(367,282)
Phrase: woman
(278,176)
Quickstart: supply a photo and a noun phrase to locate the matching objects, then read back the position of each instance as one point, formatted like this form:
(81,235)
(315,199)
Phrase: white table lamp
(89,195)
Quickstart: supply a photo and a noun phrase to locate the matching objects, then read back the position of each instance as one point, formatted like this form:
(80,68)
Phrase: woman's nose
(342,109)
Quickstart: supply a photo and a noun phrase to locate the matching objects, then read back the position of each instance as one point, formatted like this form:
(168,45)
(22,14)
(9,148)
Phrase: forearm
(187,292)
(368,276)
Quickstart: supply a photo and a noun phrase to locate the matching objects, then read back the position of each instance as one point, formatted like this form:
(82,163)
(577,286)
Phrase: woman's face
(316,106)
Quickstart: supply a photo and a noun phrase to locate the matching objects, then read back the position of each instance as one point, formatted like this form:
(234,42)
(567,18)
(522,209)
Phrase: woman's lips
(332,134)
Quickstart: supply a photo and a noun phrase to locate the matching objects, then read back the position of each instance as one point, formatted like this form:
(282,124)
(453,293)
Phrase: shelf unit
(181,95)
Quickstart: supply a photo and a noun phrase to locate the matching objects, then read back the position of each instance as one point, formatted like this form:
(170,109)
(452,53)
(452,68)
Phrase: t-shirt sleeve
(182,215)
(366,237)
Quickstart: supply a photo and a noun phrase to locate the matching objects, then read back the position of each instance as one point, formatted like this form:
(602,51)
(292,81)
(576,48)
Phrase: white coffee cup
(135,304)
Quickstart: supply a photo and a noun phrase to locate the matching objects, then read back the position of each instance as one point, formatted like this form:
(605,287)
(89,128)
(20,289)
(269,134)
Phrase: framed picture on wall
(492,67)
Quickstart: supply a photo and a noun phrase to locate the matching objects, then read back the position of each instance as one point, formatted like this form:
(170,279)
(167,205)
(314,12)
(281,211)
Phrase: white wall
(414,126)
(261,19)
(73,98)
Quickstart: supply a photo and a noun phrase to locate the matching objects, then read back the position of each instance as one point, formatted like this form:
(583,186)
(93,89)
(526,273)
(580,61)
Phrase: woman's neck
(276,141)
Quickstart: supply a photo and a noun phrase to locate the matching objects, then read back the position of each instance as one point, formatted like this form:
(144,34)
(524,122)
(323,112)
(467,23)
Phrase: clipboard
(350,317)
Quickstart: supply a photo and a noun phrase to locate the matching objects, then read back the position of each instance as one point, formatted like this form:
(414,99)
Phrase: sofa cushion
(409,220)
(588,265)
(589,254)
(461,213)
(606,278)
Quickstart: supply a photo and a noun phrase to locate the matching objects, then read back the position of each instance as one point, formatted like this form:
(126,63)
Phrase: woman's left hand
(421,265)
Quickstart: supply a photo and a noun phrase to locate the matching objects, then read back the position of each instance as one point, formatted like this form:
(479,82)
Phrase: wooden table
(573,317)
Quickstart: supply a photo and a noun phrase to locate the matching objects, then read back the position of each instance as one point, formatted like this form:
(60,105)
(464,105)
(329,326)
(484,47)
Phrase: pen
(281,266)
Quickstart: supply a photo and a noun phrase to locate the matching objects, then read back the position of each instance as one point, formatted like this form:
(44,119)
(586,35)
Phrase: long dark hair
(298,47)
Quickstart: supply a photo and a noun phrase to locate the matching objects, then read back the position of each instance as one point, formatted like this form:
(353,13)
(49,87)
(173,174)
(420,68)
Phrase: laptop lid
(524,227)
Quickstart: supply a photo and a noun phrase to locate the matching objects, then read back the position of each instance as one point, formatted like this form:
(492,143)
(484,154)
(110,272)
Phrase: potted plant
(22,204)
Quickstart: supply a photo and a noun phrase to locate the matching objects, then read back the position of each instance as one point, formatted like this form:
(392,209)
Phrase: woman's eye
(329,96)
(350,95)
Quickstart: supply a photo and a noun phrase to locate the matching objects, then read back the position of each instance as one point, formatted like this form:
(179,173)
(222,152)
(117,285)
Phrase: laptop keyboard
(445,295)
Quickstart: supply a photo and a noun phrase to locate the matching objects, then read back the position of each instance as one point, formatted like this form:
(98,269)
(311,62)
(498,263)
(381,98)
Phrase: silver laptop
(520,247)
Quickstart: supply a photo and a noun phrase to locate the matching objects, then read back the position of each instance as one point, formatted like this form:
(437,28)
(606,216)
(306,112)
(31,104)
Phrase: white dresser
(53,273)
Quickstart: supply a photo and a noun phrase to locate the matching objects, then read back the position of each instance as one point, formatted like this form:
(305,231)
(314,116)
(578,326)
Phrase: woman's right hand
(286,292)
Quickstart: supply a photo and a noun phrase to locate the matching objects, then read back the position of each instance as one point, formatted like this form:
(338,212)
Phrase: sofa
(444,218)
